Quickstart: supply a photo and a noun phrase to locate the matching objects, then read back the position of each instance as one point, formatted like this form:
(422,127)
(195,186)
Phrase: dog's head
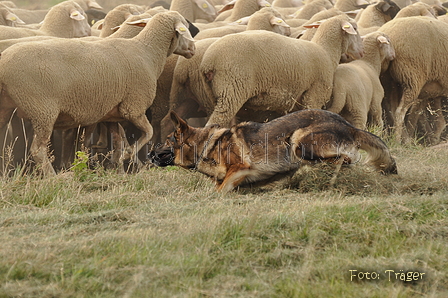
(183,146)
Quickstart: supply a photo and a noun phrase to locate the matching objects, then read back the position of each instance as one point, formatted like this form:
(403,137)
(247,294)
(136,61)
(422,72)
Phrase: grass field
(167,233)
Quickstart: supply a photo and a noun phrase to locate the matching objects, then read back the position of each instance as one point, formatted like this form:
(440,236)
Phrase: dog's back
(314,136)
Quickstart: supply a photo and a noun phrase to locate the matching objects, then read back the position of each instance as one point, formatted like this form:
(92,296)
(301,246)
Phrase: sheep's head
(204,10)
(339,30)
(355,48)
(387,51)
(185,43)
(63,15)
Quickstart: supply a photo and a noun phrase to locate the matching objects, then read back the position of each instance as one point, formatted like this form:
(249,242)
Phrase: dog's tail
(378,154)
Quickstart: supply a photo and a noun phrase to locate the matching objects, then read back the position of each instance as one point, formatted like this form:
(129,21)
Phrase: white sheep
(193,10)
(276,73)
(117,16)
(8,18)
(66,19)
(266,18)
(60,91)
(349,5)
(306,32)
(38,15)
(8,4)
(419,69)
(357,90)
(376,15)
(240,9)
(188,95)
(307,11)
(417,9)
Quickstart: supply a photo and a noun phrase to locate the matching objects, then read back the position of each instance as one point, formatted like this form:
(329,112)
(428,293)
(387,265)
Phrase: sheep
(306,32)
(419,69)
(417,9)
(61,92)
(242,8)
(8,18)
(221,31)
(8,4)
(188,96)
(194,9)
(376,15)
(349,5)
(307,11)
(357,90)
(404,3)
(94,16)
(37,16)
(117,16)
(287,3)
(65,19)
(292,74)
(266,18)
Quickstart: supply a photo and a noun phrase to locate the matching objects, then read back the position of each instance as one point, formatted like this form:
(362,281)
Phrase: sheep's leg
(438,120)
(359,119)
(376,112)
(39,152)
(315,97)
(408,99)
(68,147)
(224,112)
(416,114)
(119,143)
(142,123)
(338,102)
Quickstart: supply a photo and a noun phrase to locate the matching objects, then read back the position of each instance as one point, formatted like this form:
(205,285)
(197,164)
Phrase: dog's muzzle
(162,157)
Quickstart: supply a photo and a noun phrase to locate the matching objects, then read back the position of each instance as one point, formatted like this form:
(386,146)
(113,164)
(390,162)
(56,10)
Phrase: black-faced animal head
(388,8)
(182,147)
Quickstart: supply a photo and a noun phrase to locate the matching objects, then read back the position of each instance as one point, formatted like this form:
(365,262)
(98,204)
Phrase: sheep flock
(104,75)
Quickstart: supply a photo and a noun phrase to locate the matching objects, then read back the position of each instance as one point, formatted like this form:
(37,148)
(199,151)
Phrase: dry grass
(167,233)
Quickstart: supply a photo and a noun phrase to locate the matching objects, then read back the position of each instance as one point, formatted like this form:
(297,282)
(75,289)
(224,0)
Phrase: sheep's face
(81,27)
(183,42)
(355,48)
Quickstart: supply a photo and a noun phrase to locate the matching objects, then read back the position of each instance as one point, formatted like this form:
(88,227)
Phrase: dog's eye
(173,140)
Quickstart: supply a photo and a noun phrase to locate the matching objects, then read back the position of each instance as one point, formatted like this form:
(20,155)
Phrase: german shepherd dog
(253,153)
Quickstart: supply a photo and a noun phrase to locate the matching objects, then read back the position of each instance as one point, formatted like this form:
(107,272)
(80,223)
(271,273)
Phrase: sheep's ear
(178,122)
(242,21)
(313,25)
(300,34)
(263,3)
(228,6)
(275,21)
(139,23)
(76,15)
(183,30)
(353,13)
(362,3)
(13,18)
(93,4)
(205,7)
(383,6)
(383,40)
(100,26)
(347,27)
(115,29)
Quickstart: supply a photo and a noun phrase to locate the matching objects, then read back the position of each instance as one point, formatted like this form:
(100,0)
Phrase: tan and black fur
(257,153)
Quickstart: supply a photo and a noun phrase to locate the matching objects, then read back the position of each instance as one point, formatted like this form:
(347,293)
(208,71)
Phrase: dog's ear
(178,122)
